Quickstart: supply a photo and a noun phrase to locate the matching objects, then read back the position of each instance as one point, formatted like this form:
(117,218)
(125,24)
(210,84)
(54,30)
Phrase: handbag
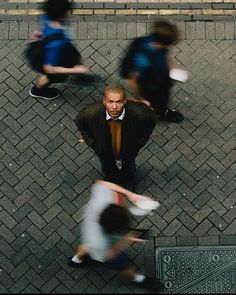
(35,51)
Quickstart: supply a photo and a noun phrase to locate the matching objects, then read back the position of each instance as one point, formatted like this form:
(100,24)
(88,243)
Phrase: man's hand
(134,198)
(37,35)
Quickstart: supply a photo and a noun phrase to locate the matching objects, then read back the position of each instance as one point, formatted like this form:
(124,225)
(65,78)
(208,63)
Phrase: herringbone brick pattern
(46,172)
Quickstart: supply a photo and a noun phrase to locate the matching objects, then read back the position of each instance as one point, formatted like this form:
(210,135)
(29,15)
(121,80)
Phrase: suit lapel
(104,135)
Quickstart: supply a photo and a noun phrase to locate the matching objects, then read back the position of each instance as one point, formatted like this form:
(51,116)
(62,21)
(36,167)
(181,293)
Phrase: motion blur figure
(58,63)
(116,129)
(146,66)
(106,234)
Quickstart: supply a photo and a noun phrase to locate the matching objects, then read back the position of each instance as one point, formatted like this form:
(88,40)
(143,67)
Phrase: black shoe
(44,93)
(151,284)
(71,263)
(87,261)
(172,116)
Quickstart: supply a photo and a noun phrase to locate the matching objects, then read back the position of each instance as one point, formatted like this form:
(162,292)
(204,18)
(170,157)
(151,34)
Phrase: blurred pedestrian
(106,234)
(61,58)
(147,65)
(116,130)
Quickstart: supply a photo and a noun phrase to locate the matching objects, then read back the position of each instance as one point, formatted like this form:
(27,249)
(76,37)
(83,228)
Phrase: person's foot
(44,93)
(71,263)
(172,116)
(151,284)
(87,260)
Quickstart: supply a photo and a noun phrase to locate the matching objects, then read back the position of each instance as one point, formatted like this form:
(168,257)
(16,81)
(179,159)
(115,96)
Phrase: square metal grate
(197,270)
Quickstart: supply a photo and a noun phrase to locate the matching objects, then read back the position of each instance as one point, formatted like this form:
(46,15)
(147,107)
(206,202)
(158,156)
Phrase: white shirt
(92,232)
(121,117)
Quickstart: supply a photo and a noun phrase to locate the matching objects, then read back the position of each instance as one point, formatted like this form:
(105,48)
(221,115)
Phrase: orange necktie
(115,129)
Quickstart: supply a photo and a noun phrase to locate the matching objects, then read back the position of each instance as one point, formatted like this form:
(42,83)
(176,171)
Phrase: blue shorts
(120,262)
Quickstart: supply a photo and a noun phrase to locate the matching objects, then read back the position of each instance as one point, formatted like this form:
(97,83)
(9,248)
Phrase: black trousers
(124,177)
(56,78)
(158,96)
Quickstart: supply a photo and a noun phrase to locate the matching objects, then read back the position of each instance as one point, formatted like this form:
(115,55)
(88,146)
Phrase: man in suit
(116,129)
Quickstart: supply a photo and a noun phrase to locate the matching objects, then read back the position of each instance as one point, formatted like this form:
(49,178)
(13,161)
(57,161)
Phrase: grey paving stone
(172,228)
(19,286)
(6,234)
(4,28)
(190,241)
(37,204)
(172,213)
(50,285)
(228,240)
(230,229)
(210,30)
(7,219)
(22,212)
(202,228)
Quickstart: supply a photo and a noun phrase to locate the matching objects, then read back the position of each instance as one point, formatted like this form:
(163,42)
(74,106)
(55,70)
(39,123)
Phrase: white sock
(139,278)
(77,260)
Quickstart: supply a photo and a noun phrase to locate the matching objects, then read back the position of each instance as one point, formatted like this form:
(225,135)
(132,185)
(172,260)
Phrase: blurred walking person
(147,68)
(60,57)
(106,234)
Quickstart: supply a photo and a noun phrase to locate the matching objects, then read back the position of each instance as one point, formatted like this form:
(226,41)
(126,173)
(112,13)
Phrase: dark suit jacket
(137,126)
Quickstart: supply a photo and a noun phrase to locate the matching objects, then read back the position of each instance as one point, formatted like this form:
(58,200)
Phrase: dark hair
(165,32)
(115,219)
(56,9)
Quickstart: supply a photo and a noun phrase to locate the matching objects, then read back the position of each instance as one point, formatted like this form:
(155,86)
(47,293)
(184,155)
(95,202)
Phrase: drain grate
(197,270)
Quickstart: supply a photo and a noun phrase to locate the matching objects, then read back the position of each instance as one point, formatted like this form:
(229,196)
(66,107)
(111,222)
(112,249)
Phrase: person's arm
(120,246)
(133,197)
(123,244)
(52,65)
(78,69)
(140,64)
(141,100)
(170,63)
(37,35)
(83,123)
(145,119)
(133,85)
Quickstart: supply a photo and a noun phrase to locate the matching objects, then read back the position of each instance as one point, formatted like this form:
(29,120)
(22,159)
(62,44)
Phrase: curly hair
(165,32)
(56,9)
(115,220)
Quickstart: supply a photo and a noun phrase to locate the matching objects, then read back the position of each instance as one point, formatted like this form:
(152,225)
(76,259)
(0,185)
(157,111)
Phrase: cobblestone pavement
(46,173)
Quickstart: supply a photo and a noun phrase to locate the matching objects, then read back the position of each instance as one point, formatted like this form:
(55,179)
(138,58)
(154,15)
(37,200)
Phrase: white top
(92,232)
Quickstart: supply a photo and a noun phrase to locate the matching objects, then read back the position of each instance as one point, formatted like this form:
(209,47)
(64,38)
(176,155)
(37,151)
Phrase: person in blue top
(58,62)
(146,67)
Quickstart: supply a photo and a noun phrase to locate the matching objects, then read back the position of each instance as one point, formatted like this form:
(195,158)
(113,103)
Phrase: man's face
(114,103)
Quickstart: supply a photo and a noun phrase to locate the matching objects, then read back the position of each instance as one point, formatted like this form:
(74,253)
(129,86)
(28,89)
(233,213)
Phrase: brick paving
(110,9)
(46,172)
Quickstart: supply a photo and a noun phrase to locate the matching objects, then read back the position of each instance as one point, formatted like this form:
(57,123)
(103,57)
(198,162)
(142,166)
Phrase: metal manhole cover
(197,270)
